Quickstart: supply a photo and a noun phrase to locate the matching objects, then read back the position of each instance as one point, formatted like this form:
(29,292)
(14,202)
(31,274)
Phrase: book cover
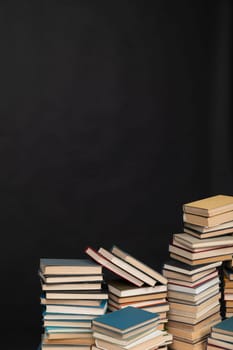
(209,206)
(126,319)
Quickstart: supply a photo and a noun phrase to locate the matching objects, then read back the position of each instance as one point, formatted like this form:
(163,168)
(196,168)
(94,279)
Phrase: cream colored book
(210,206)
(208,221)
(195,243)
(138,264)
(187,261)
(127,267)
(122,288)
(203,254)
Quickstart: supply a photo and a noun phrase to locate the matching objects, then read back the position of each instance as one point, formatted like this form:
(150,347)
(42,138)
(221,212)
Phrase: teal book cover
(126,318)
(225,326)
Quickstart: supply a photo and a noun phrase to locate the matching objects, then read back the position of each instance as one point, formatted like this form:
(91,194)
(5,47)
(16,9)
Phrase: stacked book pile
(221,336)
(228,289)
(129,329)
(72,296)
(193,276)
(138,286)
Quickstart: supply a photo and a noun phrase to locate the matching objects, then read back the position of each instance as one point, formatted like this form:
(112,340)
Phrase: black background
(113,114)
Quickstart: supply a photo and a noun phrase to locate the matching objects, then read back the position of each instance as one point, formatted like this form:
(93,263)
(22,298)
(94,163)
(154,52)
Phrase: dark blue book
(224,327)
(126,319)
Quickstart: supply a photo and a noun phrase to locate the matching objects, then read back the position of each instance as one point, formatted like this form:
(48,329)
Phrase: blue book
(126,319)
(224,327)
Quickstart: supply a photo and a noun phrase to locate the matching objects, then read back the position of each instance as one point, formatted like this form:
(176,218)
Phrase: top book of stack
(212,216)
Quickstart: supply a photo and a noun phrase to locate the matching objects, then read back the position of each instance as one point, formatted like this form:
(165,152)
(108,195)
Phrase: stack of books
(139,285)
(193,295)
(193,272)
(72,296)
(129,329)
(228,289)
(221,336)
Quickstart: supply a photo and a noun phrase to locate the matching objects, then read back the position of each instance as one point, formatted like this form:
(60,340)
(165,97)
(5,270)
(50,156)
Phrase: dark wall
(113,114)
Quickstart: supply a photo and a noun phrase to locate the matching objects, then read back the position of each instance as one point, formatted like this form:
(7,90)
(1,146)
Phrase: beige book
(220,343)
(68,323)
(208,253)
(182,307)
(213,319)
(71,286)
(195,314)
(208,221)
(194,243)
(145,343)
(122,288)
(187,261)
(69,267)
(127,267)
(144,297)
(138,264)
(80,302)
(139,304)
(182,345)
(195,298)
(110,266)
(77,295)
(193,321)
(74,335)
(189,335)
(213,233)
(188,278)
(197,290)
(194,284)
(210,206)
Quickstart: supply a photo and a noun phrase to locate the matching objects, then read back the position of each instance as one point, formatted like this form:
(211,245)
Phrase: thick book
(80,302)
(138,298)
(193,298)
(203,254)
(124,289)
(71,286)
(69,267)
(125,320)
(186,278)
(196,283)
(145,343)
(220,344)
(127,267)
(113,268)
(67,323)
(197,290)
(69,278)
(177,266)
(76,295)
(201,261)
(210,206)
(208,221)
(195,243)
(67,317)
(206,232)
(73,309)
(224,327)
(138,264)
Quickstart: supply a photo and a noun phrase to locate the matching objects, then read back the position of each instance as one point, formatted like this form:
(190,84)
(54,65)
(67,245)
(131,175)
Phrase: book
(199,231)
(177,266)
(208,221)
(79,302)
(69,278)
(124,289)
(191,290)
(76,295)
(71,286)
(125,342)
(224,327)
(69,267)
(115,269)
(187,278)
(146,343)
(138,264)
(193,298)
(210,206)
(201,261)
(65,347)
(73,309)
(68,323)
(137,298)
(207,253)
(183,345)
(65,317)
(127,267)
(194,242)
(125,320)
(220,344)
(140,304)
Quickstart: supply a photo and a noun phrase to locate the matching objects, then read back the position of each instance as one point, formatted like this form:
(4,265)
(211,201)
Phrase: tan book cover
(182,345)
(210,206)
(195,243)
(201,261)
(138,264)
(208,221)
(144,297)
(203,254)
(187,278)
(122,288)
